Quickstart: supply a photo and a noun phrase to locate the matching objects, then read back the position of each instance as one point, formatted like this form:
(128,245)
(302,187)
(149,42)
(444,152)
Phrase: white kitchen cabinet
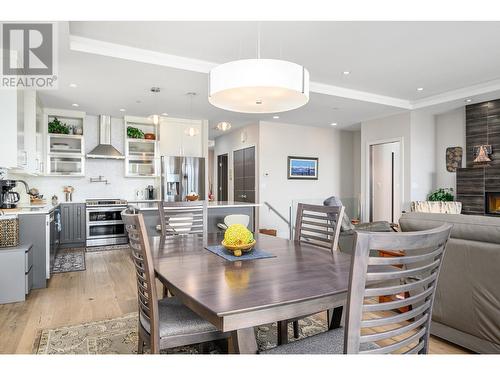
(22,152)
(181,137)
(141,155)
(19,131)
(64,153)
(8,124)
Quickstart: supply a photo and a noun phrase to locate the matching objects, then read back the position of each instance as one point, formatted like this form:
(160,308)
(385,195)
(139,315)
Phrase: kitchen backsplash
(111,170)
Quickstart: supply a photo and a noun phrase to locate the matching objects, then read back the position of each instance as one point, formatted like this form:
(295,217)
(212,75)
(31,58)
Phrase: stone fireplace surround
(475,181)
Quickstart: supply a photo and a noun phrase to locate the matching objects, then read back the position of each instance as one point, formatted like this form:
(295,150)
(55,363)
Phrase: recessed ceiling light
(73,85)
(122,109)
(420,89)
(468,100)
(164,114)
(276,117)
(346,72)
(75,105)
(333,124)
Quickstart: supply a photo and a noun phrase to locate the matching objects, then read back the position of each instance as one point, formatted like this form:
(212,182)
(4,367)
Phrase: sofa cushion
(466,227)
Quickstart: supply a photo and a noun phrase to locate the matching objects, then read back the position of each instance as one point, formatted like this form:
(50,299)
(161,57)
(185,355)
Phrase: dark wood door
(244,175)
(222,177)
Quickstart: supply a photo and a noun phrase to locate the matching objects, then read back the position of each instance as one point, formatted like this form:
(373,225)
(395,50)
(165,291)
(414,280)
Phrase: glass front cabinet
(65,143)
(141,147)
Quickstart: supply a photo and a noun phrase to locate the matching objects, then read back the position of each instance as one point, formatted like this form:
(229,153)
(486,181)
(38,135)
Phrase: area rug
(119,336)
(69,260)
(94,249)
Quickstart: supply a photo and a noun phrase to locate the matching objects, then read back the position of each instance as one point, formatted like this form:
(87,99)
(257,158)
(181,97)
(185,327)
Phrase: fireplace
(492,203)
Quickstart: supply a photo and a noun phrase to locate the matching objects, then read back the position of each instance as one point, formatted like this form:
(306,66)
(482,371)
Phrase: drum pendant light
(259,85)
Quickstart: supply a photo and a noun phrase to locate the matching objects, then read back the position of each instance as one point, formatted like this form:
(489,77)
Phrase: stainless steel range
(104,222)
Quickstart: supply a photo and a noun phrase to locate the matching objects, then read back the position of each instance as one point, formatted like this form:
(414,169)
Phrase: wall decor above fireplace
(482,154)
(483,129)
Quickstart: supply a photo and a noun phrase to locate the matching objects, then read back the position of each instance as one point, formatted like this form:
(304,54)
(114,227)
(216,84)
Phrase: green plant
(57,127)
(134,132)
(442,195)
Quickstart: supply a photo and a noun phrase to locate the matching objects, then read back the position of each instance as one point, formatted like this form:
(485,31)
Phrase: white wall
(423,155)
(450,132)
(230,142)
(211,165)
(356,172)
(392,128)
(277,141)
(111,170)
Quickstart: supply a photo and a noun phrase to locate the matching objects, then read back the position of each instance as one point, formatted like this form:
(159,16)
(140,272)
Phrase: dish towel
(226,254)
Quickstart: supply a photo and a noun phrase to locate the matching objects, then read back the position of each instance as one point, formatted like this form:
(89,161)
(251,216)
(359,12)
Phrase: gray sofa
(467,303)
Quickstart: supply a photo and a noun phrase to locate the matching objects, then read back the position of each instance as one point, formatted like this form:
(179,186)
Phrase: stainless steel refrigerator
(181,176)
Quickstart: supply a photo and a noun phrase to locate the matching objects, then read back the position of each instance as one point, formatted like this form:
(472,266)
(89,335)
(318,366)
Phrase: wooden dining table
(236,296)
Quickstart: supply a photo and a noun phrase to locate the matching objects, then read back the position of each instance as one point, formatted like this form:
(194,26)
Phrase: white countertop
(27,209)
(221,204)
(153,205)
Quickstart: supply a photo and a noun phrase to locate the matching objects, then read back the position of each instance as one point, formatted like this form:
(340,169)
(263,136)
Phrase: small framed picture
(300,168)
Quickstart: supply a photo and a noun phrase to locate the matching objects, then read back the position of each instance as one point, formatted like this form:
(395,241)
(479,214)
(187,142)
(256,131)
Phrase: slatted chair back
(183,218)
(370,320)
(144,271)
(318,225)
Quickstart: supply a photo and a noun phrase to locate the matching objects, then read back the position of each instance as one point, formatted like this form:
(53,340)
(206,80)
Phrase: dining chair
(319,226)
(183,218)
(372,326)
(164,323)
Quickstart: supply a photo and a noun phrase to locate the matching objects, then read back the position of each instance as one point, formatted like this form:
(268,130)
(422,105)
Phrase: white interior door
(385,182)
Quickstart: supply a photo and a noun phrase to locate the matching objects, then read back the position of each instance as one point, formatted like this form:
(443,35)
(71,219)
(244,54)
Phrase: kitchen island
(217,211)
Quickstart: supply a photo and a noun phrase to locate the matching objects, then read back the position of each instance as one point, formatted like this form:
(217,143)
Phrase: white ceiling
(389,59)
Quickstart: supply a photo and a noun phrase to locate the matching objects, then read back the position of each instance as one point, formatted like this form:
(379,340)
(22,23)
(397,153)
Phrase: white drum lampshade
(259,86)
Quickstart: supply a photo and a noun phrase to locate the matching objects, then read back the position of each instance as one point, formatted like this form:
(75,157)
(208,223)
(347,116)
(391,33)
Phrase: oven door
(105,226)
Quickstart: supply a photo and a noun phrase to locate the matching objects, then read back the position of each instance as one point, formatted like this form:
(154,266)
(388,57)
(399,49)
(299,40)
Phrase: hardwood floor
(106,289)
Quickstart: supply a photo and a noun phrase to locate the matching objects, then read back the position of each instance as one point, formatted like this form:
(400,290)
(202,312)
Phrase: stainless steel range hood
(104,149)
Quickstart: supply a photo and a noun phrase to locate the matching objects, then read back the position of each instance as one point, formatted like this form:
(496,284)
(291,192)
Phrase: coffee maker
(9,198)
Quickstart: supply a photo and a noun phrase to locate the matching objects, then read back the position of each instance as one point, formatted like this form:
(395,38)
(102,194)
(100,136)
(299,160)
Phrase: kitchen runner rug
(119,336)
(69,260)
(94,249)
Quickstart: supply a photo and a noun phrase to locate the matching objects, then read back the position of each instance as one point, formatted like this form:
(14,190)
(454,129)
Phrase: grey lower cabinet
(73,225)
(16,273)
(35,229)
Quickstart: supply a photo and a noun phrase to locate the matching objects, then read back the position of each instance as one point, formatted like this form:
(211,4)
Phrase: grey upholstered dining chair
(318,226)
(373,326)
(183,218)
(164,323)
